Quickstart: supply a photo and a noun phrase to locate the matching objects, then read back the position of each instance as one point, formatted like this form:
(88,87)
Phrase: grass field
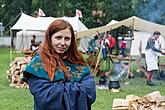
(21,99)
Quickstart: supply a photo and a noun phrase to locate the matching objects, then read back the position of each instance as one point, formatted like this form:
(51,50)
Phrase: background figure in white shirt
(104,43)
(151,57)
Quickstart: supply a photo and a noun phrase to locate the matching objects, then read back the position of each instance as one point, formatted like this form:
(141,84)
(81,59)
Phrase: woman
(57,75)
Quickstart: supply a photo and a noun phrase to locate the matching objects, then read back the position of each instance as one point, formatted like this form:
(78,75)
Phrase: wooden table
(129,59)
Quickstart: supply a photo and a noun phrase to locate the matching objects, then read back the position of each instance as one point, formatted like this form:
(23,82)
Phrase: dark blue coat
(77,93)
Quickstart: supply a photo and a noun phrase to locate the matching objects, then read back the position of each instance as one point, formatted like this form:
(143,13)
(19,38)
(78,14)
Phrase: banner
(40,12)
(78,13)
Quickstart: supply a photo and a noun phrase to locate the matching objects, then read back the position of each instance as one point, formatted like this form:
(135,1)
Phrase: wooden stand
(128,59)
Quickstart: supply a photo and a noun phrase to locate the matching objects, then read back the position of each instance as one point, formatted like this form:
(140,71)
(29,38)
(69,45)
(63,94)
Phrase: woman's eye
(67,38)
(58,37)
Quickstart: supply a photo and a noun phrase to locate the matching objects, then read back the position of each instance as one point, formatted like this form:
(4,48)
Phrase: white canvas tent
(23,39)
(145,29)
(135,22)
(140,36)
(143,37)
(112,22)
(29,25)
(26,22)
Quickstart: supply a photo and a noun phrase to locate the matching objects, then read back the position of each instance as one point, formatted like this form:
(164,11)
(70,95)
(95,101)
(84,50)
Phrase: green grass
(21,99)
(11,98)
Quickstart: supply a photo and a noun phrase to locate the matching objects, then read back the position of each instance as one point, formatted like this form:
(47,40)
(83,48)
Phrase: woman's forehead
(64,32)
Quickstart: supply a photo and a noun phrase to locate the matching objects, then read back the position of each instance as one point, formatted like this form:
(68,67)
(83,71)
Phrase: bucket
(114,84)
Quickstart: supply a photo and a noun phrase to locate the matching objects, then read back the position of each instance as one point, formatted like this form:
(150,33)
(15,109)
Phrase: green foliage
(118,9)
(11,98)
(152,10)
(10,9)
(137,87)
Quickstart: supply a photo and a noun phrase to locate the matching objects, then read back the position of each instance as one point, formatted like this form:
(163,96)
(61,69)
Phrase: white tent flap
(31,25)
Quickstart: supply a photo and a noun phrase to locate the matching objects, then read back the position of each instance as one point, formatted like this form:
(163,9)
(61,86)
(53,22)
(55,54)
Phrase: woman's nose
(62,41)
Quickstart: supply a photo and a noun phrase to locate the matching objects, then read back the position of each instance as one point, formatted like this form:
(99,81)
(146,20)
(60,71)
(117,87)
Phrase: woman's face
(61,41)
(156,37)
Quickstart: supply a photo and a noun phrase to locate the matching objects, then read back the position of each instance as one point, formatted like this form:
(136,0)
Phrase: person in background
(112,43)
(33,45)
(123,46)
(151,57)
(36,46)
(92,48)
(104,43)
(58,76)
(33,40)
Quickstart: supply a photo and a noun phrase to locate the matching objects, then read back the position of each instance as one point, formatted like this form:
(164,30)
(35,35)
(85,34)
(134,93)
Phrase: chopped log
(113,90)
(132,97)
(160,100)
(152,96)
(120,103)
(151,101)
(14,73)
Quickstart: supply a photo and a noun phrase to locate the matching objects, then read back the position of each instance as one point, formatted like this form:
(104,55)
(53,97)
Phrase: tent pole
(133,26)
(76,38)
(22,40)
(11,46)
(26,40)
(75,34)
(97,62)
(130,56)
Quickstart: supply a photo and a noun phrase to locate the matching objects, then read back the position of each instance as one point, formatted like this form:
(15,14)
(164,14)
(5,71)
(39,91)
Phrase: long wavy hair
(50,59)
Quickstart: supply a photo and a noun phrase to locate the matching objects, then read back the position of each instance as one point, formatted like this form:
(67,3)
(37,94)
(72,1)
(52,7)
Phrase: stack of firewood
(152,101)
(15,72)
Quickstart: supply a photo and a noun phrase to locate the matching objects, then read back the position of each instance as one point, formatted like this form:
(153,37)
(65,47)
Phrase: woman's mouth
(61,49)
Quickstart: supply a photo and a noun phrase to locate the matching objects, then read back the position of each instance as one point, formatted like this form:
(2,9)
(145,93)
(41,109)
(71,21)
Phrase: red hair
(50,59)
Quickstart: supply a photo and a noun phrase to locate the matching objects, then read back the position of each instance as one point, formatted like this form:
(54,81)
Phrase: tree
(118,9)
(12,8)
(152,10)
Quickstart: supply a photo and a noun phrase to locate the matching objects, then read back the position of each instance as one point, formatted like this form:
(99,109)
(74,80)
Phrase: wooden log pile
(15,72)
(152,101)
